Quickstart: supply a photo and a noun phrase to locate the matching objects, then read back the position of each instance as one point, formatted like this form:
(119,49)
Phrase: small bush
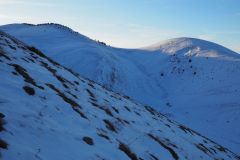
(103,135)
(127,151)
(91,85)
(115,109)
(137,113)
(3,54)
(30,91)
(23,72)
(160,142)
(90,93)
(203,148)
(151,110)
(127,108)
(76,82)
(80,112)
(14,48)
(153,157)
(63,96)
(38,52)
(168,104)
(127,97)
(35,50)
(88,140)
(1,125)
(186,129)
(2,115)
(102,43)
(1,122)
(109,125)
(3,144)
(108,111)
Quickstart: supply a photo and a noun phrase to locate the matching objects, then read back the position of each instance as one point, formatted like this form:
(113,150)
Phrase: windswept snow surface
(49,112)
(193,81)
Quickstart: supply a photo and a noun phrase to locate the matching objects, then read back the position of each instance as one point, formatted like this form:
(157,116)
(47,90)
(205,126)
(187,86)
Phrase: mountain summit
(192,47)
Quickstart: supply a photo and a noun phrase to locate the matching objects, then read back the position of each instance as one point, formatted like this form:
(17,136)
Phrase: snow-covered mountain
(193,81)
(49,112)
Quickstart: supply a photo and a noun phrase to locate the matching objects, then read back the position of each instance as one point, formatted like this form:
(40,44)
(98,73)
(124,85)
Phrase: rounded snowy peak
(192,47)
(45,29)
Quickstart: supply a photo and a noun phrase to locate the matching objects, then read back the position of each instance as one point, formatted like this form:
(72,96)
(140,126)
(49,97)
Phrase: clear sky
(134,23)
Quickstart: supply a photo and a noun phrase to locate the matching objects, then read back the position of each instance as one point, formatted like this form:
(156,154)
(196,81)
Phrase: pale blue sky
(134,23)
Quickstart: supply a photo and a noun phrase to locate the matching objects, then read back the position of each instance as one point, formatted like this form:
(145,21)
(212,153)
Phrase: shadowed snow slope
(193,81)
(49,112)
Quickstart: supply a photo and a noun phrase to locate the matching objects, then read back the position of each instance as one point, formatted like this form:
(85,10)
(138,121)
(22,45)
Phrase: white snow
(65,108)
(193,81)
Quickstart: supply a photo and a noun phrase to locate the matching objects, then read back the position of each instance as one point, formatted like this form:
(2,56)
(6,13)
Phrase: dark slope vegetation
(49,112)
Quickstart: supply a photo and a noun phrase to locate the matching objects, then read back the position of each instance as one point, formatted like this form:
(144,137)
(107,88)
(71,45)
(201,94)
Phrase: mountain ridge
(42,99)
(181,85)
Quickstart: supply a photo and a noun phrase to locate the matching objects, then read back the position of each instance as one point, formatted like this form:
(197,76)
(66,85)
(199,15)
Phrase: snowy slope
(193,81)
(49,112)
(199,48)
